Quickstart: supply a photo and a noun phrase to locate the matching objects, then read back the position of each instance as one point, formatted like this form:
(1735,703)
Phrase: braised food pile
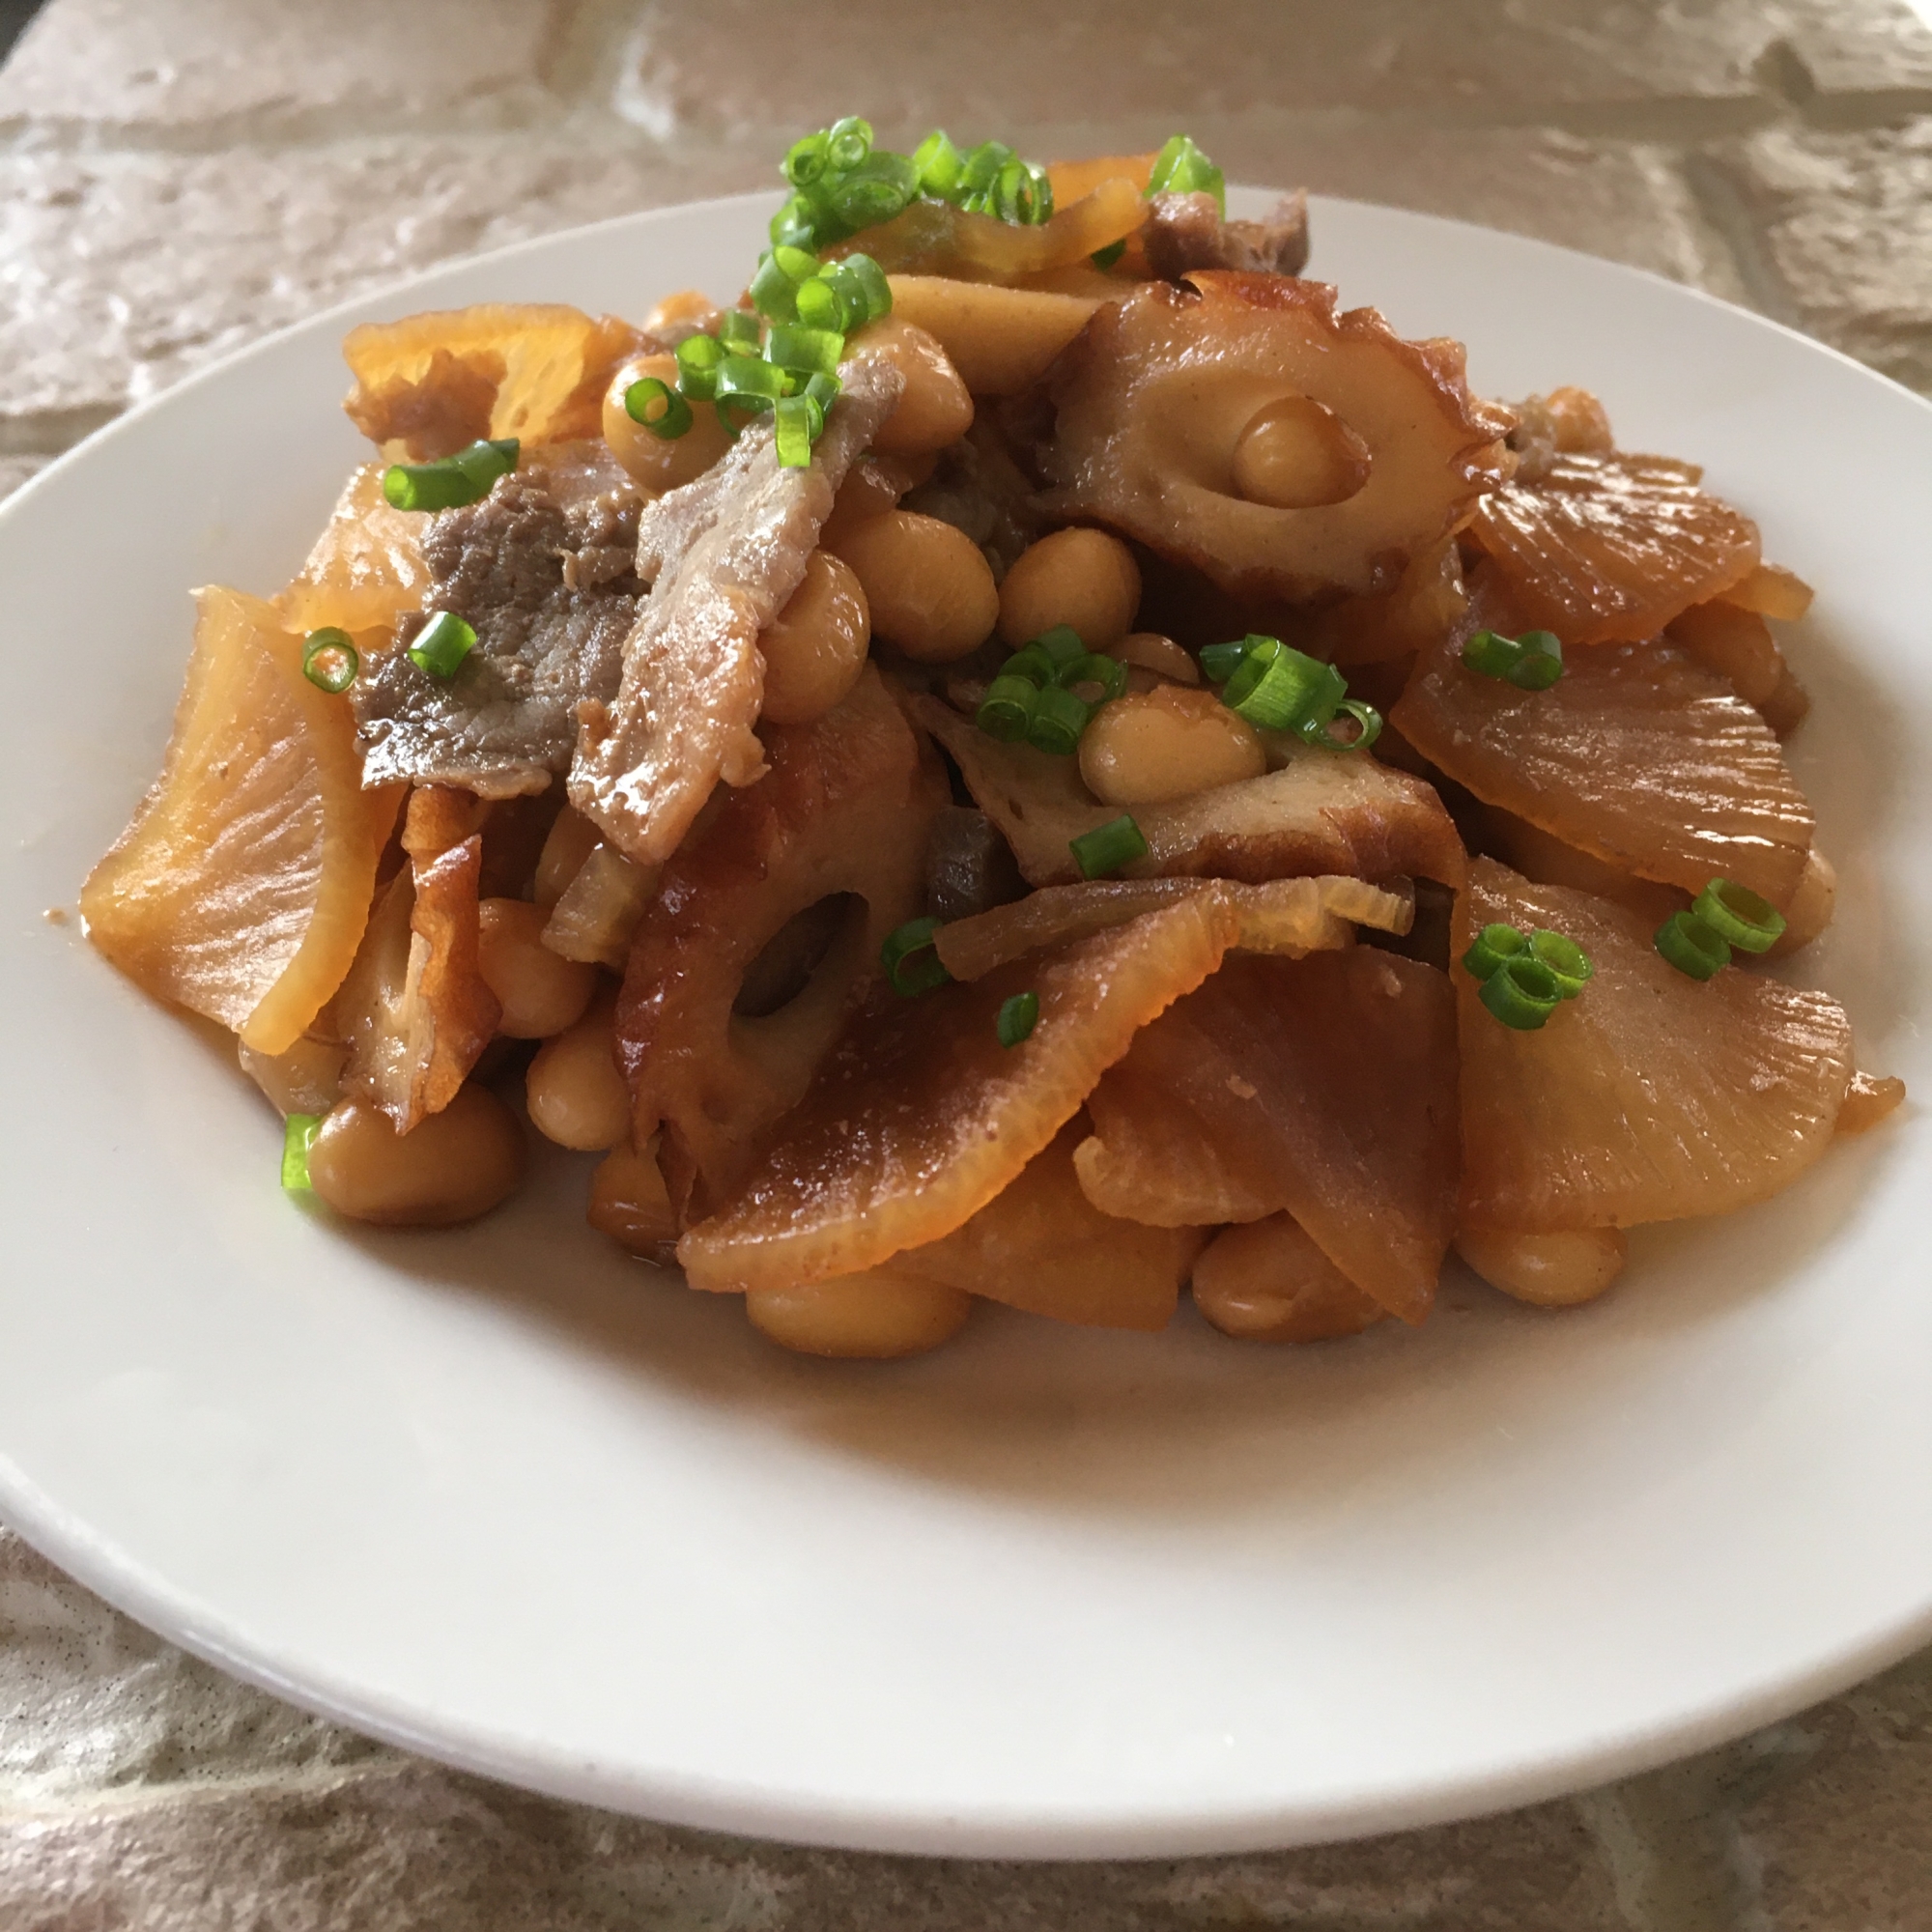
(1032,757)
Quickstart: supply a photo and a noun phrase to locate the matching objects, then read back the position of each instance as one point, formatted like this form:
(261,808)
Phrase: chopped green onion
(442,644)
(1691,947)
(1368,726)
(1276,688)
(1031,662)
(1182,168)
(1220,662)
(1057,720)
(330,661)
(1532,662)
(1491,948)
(1739,917)
(1019,1016)
(812,352)
(795,224)
(939,165)
(873,190)
(748,380)
(847,142)
(1108,847)
(658,407)
(299,1132)
(805,159)
(910,962)
(872,283)
(831,302)
(699,357)
(796,417)
(1105,258)
(1568,963)
(823,390)
(1061,643)
(1109,674)
(739,330)
(774,289)
(1521,992)
(451,481)
(1007,710)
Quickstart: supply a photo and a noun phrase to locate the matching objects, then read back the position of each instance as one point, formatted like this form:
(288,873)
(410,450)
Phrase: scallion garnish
(1007,710)
(1059,716)
(796,417)
(1532,662)
(811,352)
(1108,847)
(1019,1016)
(1525,975)
(1277,688)
(299,1132)
(910,962)
(658,407)
(1491,948)
(739,330)
(749,379)
(1182,168)
(697,360)
(450,481)
(939,164)
(1521,992)
(442,644)
(1692,947)
(1105,258)
(329,659)
(1108,674)
(1739,917)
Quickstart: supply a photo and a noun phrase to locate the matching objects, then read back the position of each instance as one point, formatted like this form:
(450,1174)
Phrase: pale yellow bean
(657,461)
(451,1167)
(540,993)
(1811,905)
(815,647)
(573,1089)
(929,588)
(934,410)
(1148,650)
(630,1202)
(876,1316)
(687,312)
(1266,1281)
(1296,454)
(1153,746)
(1084,579)
(1551,1271)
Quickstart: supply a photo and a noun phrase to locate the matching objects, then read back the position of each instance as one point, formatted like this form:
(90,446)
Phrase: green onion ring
(1108,847)
(1109,674)
(1566,960)
(1019,1016)
(329,659)
(1005,712)
(299,1132)
(1739,917)
(1490,949)
(1691,947)
(1521,992)
(910,962)
(1368,726)
(442,644)
(1031,662)
(1059,716)
(670,421)
(1220,662)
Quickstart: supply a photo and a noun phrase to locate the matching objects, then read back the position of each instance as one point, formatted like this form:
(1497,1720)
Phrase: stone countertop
(1775,151)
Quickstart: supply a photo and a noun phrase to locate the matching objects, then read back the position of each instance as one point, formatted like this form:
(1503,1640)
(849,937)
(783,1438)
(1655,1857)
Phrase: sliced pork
(1186,231)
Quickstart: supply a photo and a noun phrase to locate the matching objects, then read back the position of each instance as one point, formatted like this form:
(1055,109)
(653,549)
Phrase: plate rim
(66,1541)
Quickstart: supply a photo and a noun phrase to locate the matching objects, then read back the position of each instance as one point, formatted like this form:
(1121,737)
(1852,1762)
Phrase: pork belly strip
(541,568)
(1186,231)
(722,555)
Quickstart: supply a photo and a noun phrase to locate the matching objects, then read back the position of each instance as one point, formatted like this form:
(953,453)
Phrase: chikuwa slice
(1650,1096)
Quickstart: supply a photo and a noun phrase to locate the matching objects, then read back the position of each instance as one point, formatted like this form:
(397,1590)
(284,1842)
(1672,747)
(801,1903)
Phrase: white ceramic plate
(508,1497)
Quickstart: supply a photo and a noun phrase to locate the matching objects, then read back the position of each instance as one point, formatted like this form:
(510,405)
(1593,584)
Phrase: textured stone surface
(1845,223)
(197,63)
(96,316)
(181,175)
